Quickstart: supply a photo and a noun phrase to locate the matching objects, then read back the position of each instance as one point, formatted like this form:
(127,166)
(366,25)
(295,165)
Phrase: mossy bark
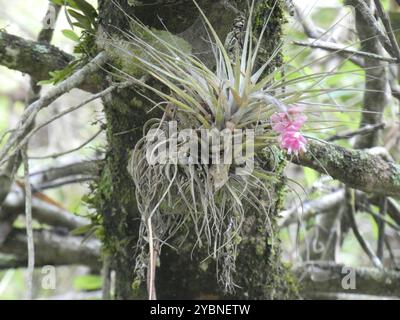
(358,169)
(260,273)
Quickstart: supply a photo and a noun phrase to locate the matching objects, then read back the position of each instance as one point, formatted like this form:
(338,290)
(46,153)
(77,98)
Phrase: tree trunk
(180,274)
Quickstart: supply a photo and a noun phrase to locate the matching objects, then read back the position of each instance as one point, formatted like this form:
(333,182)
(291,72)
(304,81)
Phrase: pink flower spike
(288,126)
(293,142)
(293,120)
(279,122)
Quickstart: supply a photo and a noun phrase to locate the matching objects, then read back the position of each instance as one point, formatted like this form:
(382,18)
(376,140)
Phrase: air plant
(211,197)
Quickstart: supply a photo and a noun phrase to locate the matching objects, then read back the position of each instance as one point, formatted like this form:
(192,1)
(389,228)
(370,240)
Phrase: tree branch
(373,25)
(357,169)
(327,277)
(337,48)
(376,72)
(314,32)
(43,211)
(34,58)
(54,249)
(311,208)
(38,58)
(388,27)
(351,214)
(392,209)
(363,130)
(83,168)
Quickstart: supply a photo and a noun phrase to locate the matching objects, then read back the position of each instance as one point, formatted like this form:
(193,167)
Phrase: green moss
(260,249)
(12,57)
(126,56)
(273,33)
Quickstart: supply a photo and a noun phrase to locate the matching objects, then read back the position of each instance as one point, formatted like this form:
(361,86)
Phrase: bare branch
(54,249)
(327,277)
(29,225)
(388,26)
(43,211)
(363,130)
(377,85)
(392,209)
(63,182)
(330,46)
(379,218)
(63,153)
(82,168)
(351,212)
(362,8)
(314,32)
(310,29)
(311,208)
(46,34)
(329,202)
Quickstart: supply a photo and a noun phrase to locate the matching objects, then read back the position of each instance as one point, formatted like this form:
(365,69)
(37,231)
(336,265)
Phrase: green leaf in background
(67,16)
(81,230)
(86,8)
(58,2)
(59,75)
(310,176)
(70,35)
(44,82)
(72,4)
(82,21)
(374,223)
(87,282)
(4,117)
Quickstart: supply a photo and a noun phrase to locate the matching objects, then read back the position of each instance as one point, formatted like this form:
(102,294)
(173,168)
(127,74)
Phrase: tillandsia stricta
(236,100)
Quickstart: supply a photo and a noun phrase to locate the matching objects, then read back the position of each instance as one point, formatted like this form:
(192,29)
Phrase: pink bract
(293,142)
(288,126)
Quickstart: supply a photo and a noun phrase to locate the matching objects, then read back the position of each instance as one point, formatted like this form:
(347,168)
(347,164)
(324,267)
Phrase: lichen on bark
(359,169)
